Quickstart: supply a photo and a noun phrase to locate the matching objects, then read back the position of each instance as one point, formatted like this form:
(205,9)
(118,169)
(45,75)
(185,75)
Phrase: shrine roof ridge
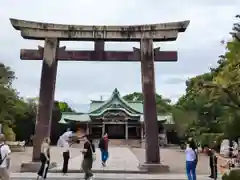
(157,32)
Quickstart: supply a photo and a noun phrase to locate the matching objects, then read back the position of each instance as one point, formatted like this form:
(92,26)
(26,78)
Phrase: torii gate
(52,34)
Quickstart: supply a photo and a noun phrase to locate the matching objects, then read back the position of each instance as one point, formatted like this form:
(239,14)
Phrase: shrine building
(121,119)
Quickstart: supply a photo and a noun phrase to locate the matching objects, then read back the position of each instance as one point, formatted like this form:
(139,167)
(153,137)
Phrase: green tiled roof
(121,109)
(86,118)
(115,102)
(62,121)
(79,117)
(135,107)
(166,118)
(95,105)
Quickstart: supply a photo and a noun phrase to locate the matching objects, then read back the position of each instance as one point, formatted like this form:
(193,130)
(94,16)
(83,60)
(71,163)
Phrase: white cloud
(78,82)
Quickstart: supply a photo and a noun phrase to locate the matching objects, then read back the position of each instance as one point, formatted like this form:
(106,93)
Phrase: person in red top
(103,145)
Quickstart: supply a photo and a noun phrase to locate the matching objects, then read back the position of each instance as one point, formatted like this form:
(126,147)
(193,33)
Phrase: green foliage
(215,96)
(208,138)
(17,115)
(9,133)
(182,120)
(64,107)
(163,105)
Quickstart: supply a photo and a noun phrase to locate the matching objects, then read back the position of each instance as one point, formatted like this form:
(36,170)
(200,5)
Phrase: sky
(79,82)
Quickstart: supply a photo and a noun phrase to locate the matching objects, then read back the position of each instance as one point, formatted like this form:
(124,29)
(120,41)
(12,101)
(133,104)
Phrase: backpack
(1,158)
(101,143)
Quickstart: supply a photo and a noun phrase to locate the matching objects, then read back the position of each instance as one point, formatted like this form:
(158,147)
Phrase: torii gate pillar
(46,95)
(149,105)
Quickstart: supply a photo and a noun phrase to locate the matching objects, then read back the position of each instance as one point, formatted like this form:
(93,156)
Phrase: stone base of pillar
(34,166)
(154,168)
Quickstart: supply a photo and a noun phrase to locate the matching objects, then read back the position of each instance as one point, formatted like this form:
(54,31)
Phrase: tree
(8,96)
(163,105)
(215,96)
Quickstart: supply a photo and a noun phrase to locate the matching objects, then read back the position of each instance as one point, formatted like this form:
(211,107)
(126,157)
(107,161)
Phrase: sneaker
(103,164)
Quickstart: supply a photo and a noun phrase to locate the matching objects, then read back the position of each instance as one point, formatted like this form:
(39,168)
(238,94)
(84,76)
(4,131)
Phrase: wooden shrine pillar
(46,96)
(149,94)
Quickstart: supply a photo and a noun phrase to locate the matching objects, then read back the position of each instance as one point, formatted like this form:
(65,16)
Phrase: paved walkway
(17,158)
(120,159)
(54,176)
(175,159)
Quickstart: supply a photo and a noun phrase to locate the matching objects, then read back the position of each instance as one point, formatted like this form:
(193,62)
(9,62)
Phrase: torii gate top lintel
(64,32)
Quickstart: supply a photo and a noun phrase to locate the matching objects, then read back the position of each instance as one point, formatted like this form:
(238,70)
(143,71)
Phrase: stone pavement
(175,159)
(121,160)
(102,176)
(17,158)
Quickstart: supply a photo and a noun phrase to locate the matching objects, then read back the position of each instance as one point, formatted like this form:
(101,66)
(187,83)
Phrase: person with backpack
(103,146)
(4,159)
(89,157)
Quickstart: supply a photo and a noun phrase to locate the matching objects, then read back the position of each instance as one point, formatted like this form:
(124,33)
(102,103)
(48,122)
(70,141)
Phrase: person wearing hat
(4,159)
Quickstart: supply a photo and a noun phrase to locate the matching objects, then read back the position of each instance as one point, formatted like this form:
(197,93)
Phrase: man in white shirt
(70,137)
(5,159)
(65,138)
(65,141)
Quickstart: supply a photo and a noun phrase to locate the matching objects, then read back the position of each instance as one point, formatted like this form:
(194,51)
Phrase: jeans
(191,170)
(104,155)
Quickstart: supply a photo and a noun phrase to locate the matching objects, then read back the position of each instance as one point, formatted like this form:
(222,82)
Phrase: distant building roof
(115,102)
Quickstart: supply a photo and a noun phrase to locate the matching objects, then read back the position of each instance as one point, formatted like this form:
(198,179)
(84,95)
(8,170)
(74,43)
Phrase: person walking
(191,161)
(88,157)
(4,159)
(103,145)
(44,158)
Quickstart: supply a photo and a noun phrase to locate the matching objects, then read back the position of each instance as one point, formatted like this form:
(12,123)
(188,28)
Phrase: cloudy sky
(79,82)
